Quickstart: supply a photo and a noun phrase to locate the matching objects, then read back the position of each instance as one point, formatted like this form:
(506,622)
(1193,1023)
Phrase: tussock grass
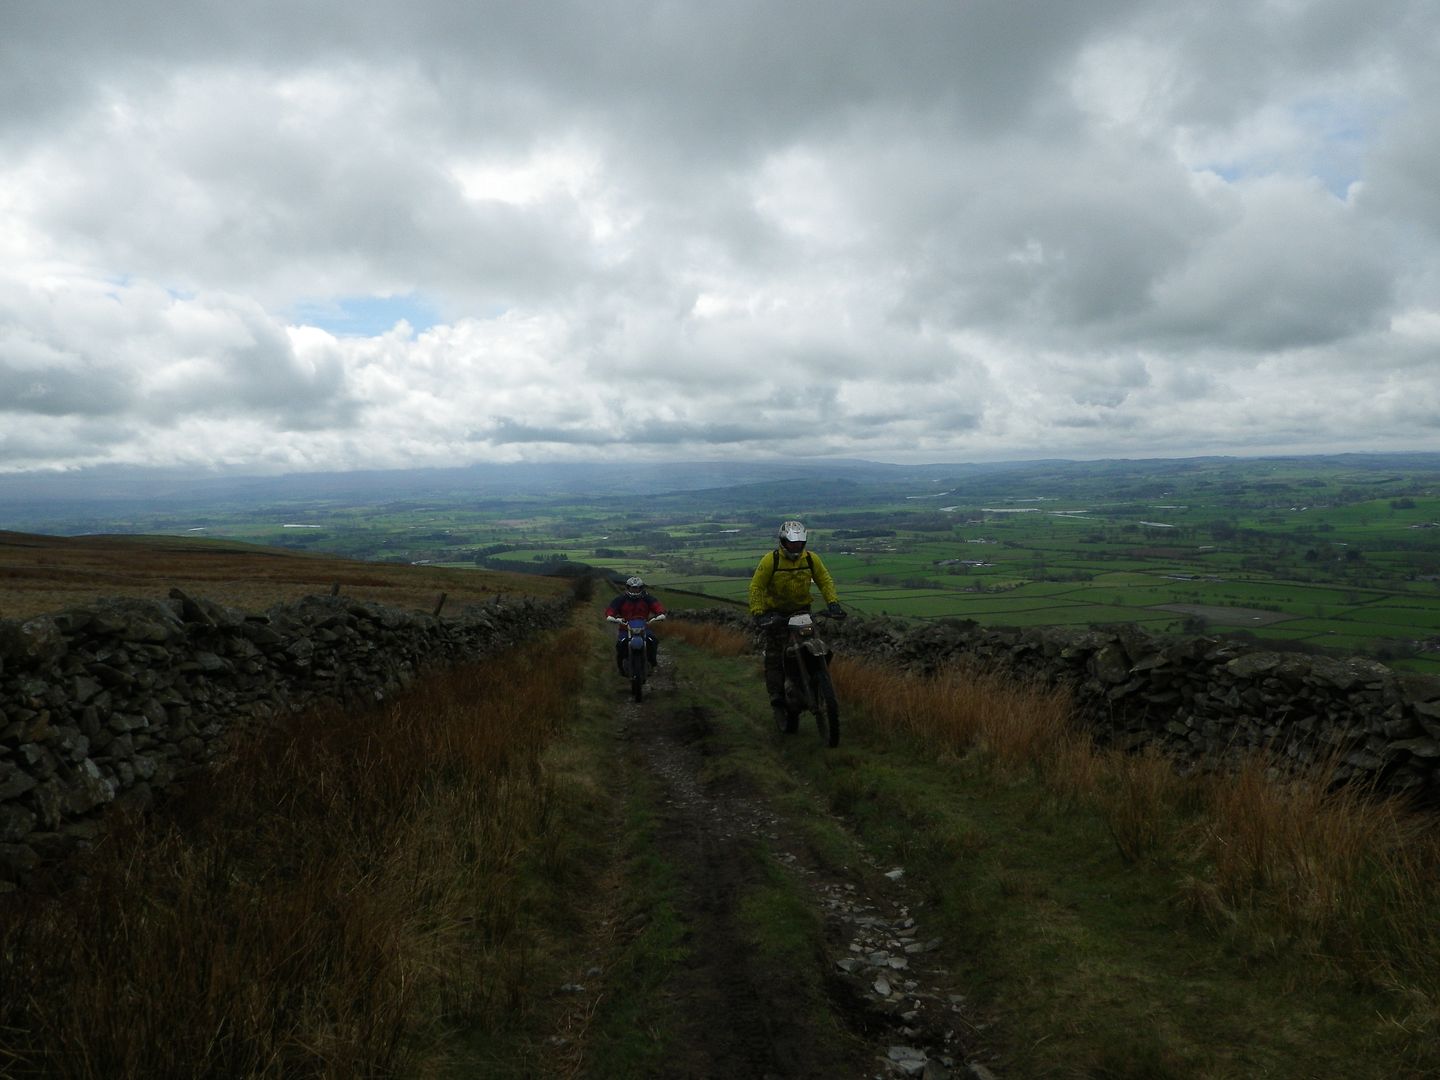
(1342,874)
(720,640)
(1333,870)
(1257,875)
(321,906)
(961,709)
(1137,795)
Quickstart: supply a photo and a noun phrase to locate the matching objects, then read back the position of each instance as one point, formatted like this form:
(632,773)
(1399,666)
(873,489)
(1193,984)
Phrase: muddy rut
(894,1010)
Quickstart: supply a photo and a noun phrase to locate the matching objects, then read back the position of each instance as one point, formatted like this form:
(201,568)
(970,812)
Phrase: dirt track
(896,1014)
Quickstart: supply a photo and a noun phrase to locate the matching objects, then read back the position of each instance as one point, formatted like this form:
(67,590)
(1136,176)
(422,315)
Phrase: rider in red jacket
(635,603)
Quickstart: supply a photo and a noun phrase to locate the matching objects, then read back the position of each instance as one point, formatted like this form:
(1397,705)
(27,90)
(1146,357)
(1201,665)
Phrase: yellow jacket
(781,583)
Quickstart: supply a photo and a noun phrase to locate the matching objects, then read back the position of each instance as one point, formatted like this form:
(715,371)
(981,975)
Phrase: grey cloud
(38,377)
(1049,234)
(944,420)
(29,441)
(142,354)
(60,392)
(506,431)
(1399,183)
(943,228)
(1231,57)
(228,196)
(641,432)
(1295,269)
(1104,421)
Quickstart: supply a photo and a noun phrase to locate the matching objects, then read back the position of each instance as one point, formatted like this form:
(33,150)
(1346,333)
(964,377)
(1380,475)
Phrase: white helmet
(634,585)
(792,537)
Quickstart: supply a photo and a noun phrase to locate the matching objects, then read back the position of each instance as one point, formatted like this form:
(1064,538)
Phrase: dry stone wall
(116,700)
(1202,700)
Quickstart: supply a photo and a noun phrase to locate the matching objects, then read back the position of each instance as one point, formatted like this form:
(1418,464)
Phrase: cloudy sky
(279,235)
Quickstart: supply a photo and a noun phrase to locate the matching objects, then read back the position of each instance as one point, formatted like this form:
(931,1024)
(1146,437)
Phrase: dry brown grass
(317,908)
(1137,796)
(46,574)
(720,640)
(1333,872)
(1342,886)
(961,708)
(1327,864)
(312,906)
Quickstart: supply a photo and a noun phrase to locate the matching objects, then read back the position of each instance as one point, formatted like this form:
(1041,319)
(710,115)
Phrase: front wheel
(638,661)
(827,706)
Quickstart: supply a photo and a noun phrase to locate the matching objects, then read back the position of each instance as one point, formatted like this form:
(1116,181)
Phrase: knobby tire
(638,661)
(827,708)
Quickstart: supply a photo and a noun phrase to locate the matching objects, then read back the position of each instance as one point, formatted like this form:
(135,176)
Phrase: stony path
(883,979)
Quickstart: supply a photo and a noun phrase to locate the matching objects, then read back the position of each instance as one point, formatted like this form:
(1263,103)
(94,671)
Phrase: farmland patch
(1229,616)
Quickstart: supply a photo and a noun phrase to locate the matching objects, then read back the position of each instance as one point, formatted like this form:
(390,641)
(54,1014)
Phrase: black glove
(835,611)
(765,620)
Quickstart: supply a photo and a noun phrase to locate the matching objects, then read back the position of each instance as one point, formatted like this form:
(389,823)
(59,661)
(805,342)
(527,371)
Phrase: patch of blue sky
(1342,131)
(118,283)
(1229,173)
(1334,135)
(367,316)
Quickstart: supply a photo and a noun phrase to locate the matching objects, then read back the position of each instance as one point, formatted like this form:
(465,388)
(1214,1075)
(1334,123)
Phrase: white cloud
(935,231)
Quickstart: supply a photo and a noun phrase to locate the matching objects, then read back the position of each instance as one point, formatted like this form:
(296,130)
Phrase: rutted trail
(892,1010)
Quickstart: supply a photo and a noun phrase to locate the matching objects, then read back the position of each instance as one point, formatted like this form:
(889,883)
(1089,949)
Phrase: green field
(1340,553)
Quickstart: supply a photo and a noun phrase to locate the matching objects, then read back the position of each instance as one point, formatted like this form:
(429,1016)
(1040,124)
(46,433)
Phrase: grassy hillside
(1320,553)
(40,574)
(515,871)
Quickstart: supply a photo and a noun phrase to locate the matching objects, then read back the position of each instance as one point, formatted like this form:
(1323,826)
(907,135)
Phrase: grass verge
(1122,921)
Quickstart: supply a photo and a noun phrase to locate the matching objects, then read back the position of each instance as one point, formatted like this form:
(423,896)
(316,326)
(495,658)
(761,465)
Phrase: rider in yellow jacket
(781,586)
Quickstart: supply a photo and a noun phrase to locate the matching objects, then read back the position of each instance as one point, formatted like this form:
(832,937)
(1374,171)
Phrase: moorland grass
(324,904)
(46,574)
(1124,920)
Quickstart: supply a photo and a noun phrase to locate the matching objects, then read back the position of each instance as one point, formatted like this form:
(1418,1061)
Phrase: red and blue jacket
(629,607)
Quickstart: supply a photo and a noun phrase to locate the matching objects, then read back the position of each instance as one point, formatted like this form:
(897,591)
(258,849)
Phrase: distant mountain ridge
(115,484)
(112,487)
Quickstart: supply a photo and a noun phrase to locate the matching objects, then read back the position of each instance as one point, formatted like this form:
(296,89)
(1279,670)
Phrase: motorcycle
(807,678)
(635,656)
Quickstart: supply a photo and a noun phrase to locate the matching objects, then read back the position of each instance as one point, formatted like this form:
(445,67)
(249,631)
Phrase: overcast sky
(286,235)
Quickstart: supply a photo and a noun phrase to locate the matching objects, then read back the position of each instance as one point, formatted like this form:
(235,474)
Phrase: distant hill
(97,500)
(118,485)
(112,484)
(47,574)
